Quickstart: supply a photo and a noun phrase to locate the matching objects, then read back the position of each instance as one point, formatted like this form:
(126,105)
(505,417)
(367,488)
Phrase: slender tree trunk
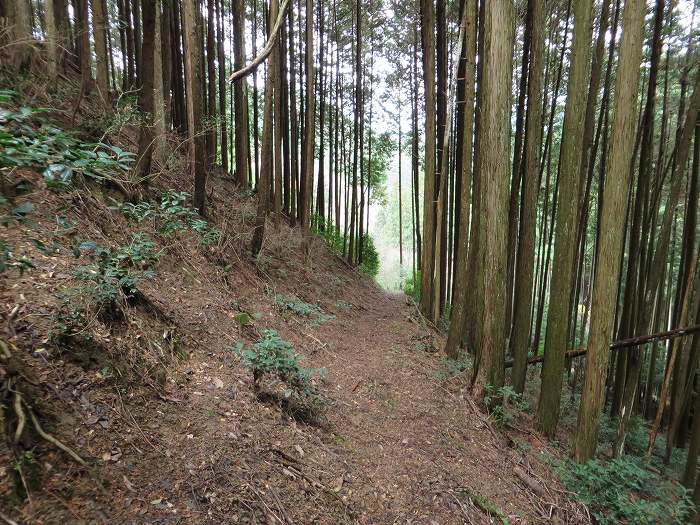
(557,335)
(429,188)
(193,63)
(146,98)
(494,156)
(309,130)
(240,103)
(357,153)
(611,229)
(526,240)
(100,23)
(221,59)
(459,304)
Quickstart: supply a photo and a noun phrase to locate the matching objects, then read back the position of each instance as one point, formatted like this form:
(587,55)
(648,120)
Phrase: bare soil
(174,432)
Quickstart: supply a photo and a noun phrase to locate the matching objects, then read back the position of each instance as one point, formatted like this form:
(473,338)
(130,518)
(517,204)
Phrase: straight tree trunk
(611,229)
(146,98)
(193,63)
(357,153)
(459,303)
(309,129)
(522,314)
(221,59)
(52,38)
(557,335)
(211,87)
(240,103)
(100,24)
(494,157)
(429,188)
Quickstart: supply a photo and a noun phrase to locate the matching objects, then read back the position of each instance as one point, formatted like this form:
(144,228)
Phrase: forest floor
(168,420)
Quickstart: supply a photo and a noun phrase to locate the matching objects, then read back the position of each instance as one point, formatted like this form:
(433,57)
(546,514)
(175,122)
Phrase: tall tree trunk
(557,335)
(100,24)
(221,59)
(611,229)
(52,38)
(146,99)
(522,313)
(429,188)
(266,158)
(211,87)
(459,303)
(240,104)
(494,156)
(193,63)
(309,129)
(357,153)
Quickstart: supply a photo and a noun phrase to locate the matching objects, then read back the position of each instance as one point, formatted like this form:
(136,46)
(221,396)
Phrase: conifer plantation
(349,261)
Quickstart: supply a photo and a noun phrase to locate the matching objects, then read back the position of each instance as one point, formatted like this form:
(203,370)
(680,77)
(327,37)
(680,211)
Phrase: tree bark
(522,313)
(557,334)
(494,155)
(611,229)
(193,63)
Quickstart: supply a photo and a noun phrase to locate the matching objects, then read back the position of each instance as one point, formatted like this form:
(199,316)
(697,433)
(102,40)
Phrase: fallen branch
(624,343)
(529,482)
(485,505)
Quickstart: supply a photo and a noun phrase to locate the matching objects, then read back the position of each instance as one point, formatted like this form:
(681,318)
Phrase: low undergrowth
(272,356)
(334,239)
(28,140)
(624,491)
(171,215)
(313,312)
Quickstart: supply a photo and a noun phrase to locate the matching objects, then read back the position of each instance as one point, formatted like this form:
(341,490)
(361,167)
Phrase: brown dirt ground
(187,440)
(179,435)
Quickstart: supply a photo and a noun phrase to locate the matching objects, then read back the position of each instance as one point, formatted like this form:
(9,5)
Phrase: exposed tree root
(18,406)
(53,440)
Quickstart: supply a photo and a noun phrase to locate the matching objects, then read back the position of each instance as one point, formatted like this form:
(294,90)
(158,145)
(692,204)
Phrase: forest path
(416,448)
(398,444)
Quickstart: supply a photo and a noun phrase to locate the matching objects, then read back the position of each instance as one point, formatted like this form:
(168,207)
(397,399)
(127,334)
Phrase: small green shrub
(370,257)
(334,239)
(411,287)
(172,215)
(503,403)
(273,356)
(27,140)
(313,312)
(623,491)
(111,278)
(451,367)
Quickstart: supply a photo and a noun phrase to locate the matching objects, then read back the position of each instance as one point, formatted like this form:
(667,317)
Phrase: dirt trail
(399,445)
(183,438)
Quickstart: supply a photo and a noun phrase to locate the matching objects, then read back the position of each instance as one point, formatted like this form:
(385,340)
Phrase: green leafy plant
(451,367)
(623,491)
(411,287)
(172,215)
(27,140)
(329,233)
(370,257)
(112,277)
(273,356)
(503,403)
(314,312)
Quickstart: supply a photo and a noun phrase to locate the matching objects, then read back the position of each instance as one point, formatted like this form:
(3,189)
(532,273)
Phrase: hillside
(123,326)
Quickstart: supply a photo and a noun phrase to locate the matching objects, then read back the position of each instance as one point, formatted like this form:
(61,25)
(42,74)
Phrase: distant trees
(582,233)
